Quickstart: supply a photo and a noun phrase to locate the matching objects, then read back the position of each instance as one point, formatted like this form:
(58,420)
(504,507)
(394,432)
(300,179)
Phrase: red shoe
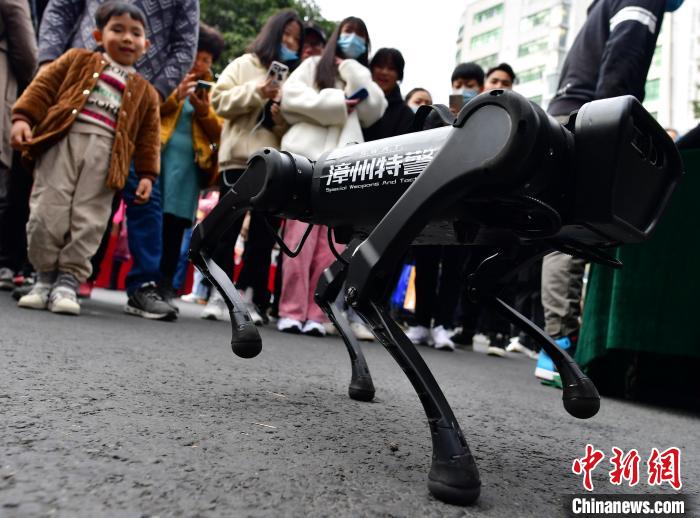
(85,289)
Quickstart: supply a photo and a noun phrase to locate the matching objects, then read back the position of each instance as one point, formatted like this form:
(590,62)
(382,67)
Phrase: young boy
(79,123)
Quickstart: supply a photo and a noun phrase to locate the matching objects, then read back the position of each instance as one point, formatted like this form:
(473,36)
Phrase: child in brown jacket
(79,123)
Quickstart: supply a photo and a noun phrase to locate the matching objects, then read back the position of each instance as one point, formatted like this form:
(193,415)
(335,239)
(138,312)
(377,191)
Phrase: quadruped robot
(502,174)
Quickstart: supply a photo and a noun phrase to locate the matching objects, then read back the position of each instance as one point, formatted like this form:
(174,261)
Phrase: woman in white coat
(315,103)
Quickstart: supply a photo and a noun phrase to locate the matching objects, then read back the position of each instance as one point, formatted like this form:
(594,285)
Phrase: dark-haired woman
(190,132)
(387,71)
(241,95)
(316,104)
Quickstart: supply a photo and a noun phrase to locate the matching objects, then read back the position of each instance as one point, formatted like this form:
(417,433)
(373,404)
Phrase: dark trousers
(15,188)
(174,229)
(438,270)
(258,248)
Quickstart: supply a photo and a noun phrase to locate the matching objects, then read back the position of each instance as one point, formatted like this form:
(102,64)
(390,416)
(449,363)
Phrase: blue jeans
(183,262)
(145,233)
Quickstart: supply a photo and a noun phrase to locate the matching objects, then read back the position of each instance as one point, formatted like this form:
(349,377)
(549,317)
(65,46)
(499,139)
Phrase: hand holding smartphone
(277,73)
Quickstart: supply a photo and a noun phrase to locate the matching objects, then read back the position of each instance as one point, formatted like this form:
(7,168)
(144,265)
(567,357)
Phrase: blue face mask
(467,93)
(672,5)
(286,54)
(352,45)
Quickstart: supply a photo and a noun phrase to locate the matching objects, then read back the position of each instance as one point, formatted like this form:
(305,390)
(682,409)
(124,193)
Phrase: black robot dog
(503,174)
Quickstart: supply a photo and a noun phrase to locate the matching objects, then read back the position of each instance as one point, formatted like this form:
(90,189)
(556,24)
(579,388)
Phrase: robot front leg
(329,285)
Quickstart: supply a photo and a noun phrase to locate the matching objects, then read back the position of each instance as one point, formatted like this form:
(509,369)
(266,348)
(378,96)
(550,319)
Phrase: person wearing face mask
(314,40)
(321,116)
(387,70)
(500,77)
(610,56)
(467,80)
(241,95)
(418,97)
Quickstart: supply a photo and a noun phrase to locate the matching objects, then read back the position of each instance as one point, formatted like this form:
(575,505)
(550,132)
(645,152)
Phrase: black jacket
(611,54)
(397,119)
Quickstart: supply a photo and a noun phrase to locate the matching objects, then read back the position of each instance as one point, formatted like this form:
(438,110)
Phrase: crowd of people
(119,113)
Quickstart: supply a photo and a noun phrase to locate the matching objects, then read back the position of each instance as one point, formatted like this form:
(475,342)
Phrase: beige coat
(319,119)
(235,98)
(17,64)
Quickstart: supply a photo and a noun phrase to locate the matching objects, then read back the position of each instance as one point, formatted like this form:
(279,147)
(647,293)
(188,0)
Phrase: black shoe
(463,338)
(147,302)
(168,294)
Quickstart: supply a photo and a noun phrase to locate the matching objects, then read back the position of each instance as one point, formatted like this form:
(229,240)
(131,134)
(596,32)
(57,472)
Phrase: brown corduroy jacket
(52,102)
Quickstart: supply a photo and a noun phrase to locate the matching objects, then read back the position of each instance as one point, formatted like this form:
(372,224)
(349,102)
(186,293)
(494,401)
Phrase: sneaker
(480,338)
(289,325)
(515,346)
(313,328)
(147,302)
(465,338)
(85,290)
(442,338)
(64,300)
(37,298)
(7,277)
(168,293)
(193,298)
(331,329)
(497,345)
(216,308)
(361,331)
(255,315)
(545,369)
(419,335)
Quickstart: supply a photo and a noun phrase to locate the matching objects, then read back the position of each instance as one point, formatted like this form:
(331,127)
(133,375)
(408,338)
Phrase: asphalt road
(111,415)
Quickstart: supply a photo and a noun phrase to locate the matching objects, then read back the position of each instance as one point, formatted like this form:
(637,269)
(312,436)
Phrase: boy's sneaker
(361,332)
(442,338)
(313,328)
(37,298)
(497,345)
(7,277)
(545,370)
(216,308)
(193,297)
(419,335)
(463,337)
(147,302)
(64,300)
(515,346)
(289,325)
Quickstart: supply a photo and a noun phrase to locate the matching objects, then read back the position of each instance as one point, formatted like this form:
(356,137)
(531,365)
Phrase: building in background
(534,36)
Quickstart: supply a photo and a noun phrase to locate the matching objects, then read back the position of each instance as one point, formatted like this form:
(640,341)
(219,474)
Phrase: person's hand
(276,113)
(350,104)
(143,191)
(200,102)
(267,89)
(338,61)
(186,87)
(20,135)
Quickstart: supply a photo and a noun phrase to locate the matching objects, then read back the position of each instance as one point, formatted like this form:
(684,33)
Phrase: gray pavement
(112,415)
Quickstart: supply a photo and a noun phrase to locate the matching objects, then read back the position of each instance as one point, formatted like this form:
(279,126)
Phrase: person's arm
(21,44)
(40,95)
(211,124)
(170,105)
(231,96)
(357,76)
(635,26)
(182,49)
(147,153)
(58,23)
(302,102)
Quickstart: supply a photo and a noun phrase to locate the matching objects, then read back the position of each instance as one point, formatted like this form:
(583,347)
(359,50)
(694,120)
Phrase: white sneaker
(37,298)
(330,329)
(516,347)
(254,313)
(313,328)
(496,351)
(216,307)
(191,297)
(361,331)
(481,338)
(419,335)
(289,325)
(64,300)
(442,338)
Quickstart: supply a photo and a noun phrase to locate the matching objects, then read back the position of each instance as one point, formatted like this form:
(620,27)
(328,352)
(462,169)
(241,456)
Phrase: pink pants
(301,273)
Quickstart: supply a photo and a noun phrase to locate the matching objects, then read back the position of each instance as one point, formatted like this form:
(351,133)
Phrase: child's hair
(468,71)
(113,8)
(210,40)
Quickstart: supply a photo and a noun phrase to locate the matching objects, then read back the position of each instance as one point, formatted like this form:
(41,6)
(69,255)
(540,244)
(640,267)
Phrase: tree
(240,21)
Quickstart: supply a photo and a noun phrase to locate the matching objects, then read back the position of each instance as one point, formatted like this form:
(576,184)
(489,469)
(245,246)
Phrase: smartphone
(360,95)
(278,72)
(203,85)
(456,103)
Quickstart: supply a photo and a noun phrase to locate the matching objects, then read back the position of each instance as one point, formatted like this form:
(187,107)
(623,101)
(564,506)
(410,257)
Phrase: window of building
(651,90)
(531,74)
(533,21)
(485,38)
(487,61)
(458,56)
(460,34)
(487,14)
(532,47)
(656,60)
